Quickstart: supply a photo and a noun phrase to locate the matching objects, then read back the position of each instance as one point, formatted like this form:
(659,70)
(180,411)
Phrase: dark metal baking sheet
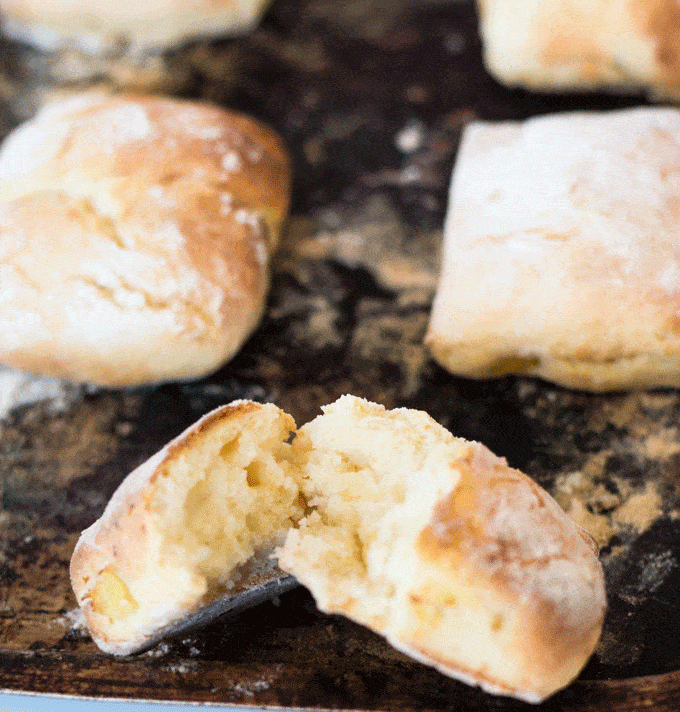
(370,97)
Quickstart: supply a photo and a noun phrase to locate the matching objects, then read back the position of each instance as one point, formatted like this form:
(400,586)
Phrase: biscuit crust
(96,25)
(561,255)
(136,235)
(572,45)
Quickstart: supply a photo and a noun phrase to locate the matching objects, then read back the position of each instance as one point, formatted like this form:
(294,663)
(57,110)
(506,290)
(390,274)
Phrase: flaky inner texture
(228,494)
(227,500)
(371,484)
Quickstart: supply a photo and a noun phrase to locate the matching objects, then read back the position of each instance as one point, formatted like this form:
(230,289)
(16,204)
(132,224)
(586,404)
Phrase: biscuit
(571,45)
(98,26)
(561,256)
(136,235)
(435,543)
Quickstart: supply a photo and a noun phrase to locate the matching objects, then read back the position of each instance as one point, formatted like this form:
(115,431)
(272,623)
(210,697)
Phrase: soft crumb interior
(372,478)
(225,500)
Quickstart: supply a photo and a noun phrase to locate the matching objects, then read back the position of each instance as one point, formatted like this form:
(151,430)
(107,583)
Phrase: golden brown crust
(561,253)
(130,586)
(136,235)
(540,565)
(626,45)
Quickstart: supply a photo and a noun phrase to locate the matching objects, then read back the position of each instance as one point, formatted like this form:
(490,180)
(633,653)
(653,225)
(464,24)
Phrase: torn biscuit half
(178,531)
(435,543)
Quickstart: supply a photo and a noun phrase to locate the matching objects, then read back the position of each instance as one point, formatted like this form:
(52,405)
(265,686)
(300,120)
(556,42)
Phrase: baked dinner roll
(97,25)
(435,543)
(432,541)
(561,253)
(558,45)
(173,536)
(135,238)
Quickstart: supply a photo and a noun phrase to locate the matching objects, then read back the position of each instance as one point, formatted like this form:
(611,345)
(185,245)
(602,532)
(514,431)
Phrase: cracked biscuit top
(135,237)
(562,253)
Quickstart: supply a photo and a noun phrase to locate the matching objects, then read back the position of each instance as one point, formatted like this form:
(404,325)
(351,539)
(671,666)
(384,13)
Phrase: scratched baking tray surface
(370,97)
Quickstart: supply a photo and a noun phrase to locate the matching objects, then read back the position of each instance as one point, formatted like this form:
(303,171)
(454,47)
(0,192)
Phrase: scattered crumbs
(159,651)
(73,620)
(124,429)
(373,238)
(410,138)
(603,512)
(663,444)
(417,94)
(392,339)
(411,174)
(330,219)
(454,43)
(641,509)
(610,651)
(655,569)
(250,688)
(316,320)
(181,668)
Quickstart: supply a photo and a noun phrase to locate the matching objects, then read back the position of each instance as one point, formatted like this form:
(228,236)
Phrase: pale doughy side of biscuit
(96,25)
(136,235)
(561,255)
(438,545)
(563,45)
(180,525)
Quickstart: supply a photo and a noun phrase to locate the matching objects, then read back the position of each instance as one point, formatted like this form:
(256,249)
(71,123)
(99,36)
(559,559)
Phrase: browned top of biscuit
(130,220)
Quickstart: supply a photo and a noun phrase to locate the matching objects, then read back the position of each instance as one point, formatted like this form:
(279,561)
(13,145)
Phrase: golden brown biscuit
(561,255)
(174,534)
(434,542)
(135,237)
(572,45)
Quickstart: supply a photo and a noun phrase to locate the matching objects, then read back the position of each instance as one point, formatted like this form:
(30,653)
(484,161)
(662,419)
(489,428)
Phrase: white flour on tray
(18,388)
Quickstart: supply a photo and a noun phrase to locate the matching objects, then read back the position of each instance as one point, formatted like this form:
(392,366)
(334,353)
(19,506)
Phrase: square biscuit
(561,254)
(573,45)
